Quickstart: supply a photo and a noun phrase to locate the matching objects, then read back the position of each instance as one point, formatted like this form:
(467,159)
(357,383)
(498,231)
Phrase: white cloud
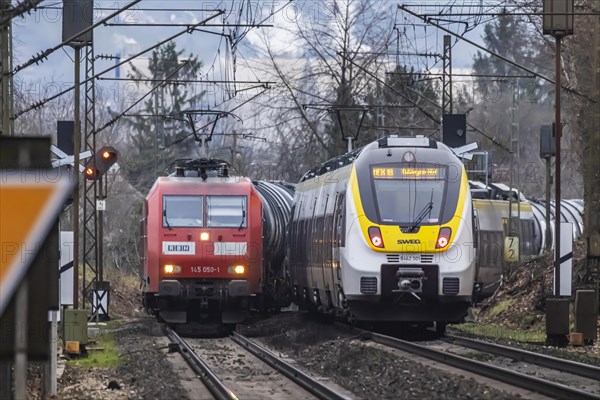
(280,38)
(122,40)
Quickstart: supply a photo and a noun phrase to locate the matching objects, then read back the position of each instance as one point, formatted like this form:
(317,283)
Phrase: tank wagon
(213,244)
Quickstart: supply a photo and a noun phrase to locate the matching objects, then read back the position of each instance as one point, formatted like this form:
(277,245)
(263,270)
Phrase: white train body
(385,234)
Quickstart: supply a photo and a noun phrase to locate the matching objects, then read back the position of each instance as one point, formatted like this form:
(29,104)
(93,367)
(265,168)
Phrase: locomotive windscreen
(226,211)
(183,211)
(406,195)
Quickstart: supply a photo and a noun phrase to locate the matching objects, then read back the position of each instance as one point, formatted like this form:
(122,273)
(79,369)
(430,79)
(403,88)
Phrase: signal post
(558,22)
(96,169)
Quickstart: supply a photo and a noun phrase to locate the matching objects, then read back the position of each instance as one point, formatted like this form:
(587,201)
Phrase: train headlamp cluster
(375,236)
(172,269)
(204,236)
(443,238)
(236,269)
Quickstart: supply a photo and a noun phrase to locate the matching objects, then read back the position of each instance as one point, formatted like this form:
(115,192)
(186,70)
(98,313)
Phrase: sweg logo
(409,241)
(178,247)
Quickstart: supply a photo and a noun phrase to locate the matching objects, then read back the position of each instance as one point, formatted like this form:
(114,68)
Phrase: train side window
(527,228)
(340,221)
(491,250)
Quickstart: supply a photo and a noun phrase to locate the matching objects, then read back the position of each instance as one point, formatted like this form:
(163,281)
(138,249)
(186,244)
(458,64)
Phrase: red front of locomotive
(203,248)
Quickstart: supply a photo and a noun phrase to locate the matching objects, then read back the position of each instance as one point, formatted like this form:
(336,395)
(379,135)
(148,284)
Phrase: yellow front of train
(410,244)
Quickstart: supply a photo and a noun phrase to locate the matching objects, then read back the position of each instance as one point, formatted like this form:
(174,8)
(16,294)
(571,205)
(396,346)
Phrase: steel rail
(548,388)
(216,387)
(304,380)
(572,367)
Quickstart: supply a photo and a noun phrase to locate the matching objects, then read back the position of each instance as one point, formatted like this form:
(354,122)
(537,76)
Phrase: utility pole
(592,202)
(447,76)
(5,63)
(558,22)
(6,112)
(234,151)
(76,150)
(592,172)
(515,157)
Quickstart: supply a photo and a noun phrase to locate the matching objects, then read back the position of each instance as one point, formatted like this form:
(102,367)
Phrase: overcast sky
(43,29)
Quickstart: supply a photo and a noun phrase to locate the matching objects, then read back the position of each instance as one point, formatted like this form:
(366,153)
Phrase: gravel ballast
(366,371)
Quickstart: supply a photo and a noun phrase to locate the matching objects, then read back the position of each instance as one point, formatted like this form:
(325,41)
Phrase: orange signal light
(89,171)
(106,155)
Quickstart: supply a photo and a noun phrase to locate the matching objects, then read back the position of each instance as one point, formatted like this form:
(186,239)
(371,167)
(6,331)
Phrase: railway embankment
(515,314)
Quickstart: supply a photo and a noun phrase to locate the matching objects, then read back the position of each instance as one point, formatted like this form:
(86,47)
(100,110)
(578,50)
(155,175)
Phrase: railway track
(212,368)
(542,360)
(511,377)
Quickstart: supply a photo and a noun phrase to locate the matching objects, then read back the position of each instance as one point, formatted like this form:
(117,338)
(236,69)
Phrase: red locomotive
(213,244)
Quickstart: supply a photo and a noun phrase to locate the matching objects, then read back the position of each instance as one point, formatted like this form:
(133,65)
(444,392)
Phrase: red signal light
(443,238)
(375,236)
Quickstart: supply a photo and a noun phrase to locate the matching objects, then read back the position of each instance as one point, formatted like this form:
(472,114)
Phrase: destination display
(408,172)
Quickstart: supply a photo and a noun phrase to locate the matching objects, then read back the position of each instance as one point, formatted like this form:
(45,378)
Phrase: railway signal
(105,158)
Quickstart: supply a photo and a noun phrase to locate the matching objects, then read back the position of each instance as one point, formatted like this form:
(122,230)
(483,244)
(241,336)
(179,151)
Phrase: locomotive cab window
(183,211)
(226,211)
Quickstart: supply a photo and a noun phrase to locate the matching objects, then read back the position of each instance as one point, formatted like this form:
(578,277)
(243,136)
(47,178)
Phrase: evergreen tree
(509,37)
(404,105)
(503,102)
(160,122)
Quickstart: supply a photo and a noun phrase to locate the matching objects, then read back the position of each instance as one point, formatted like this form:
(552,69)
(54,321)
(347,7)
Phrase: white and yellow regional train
(385,233)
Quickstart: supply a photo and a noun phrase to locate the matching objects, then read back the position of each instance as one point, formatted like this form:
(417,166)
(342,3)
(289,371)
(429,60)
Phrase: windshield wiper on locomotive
(424,212)
(243,215)
(166,219)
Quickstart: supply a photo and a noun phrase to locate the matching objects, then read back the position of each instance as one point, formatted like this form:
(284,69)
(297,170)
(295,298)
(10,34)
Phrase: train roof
(177,183)
(494,191)
(382,143)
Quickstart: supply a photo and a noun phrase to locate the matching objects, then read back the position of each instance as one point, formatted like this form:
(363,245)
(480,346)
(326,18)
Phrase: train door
(311,248)
(292,239)
(477,284)
(298,247)
(324,252)
(338,240)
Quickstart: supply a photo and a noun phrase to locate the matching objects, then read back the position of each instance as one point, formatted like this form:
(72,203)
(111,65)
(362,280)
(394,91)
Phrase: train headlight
(375,236)
(443,238)
(238,269)
(170,268)
(204,236)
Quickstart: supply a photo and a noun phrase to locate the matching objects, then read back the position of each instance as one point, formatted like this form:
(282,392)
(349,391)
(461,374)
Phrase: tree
(326,78)
(161,121)
(405,104)
(504,101)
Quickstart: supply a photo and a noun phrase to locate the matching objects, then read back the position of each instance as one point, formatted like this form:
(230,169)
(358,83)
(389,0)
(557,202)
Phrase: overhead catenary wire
(493,53)
(170,38)
(40,57)
(188,135)
(425,112)
(22,8)
(115,119)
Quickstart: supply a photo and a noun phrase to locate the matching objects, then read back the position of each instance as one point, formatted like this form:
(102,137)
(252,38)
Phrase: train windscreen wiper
(166,219)
(424,212)
(243,215)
